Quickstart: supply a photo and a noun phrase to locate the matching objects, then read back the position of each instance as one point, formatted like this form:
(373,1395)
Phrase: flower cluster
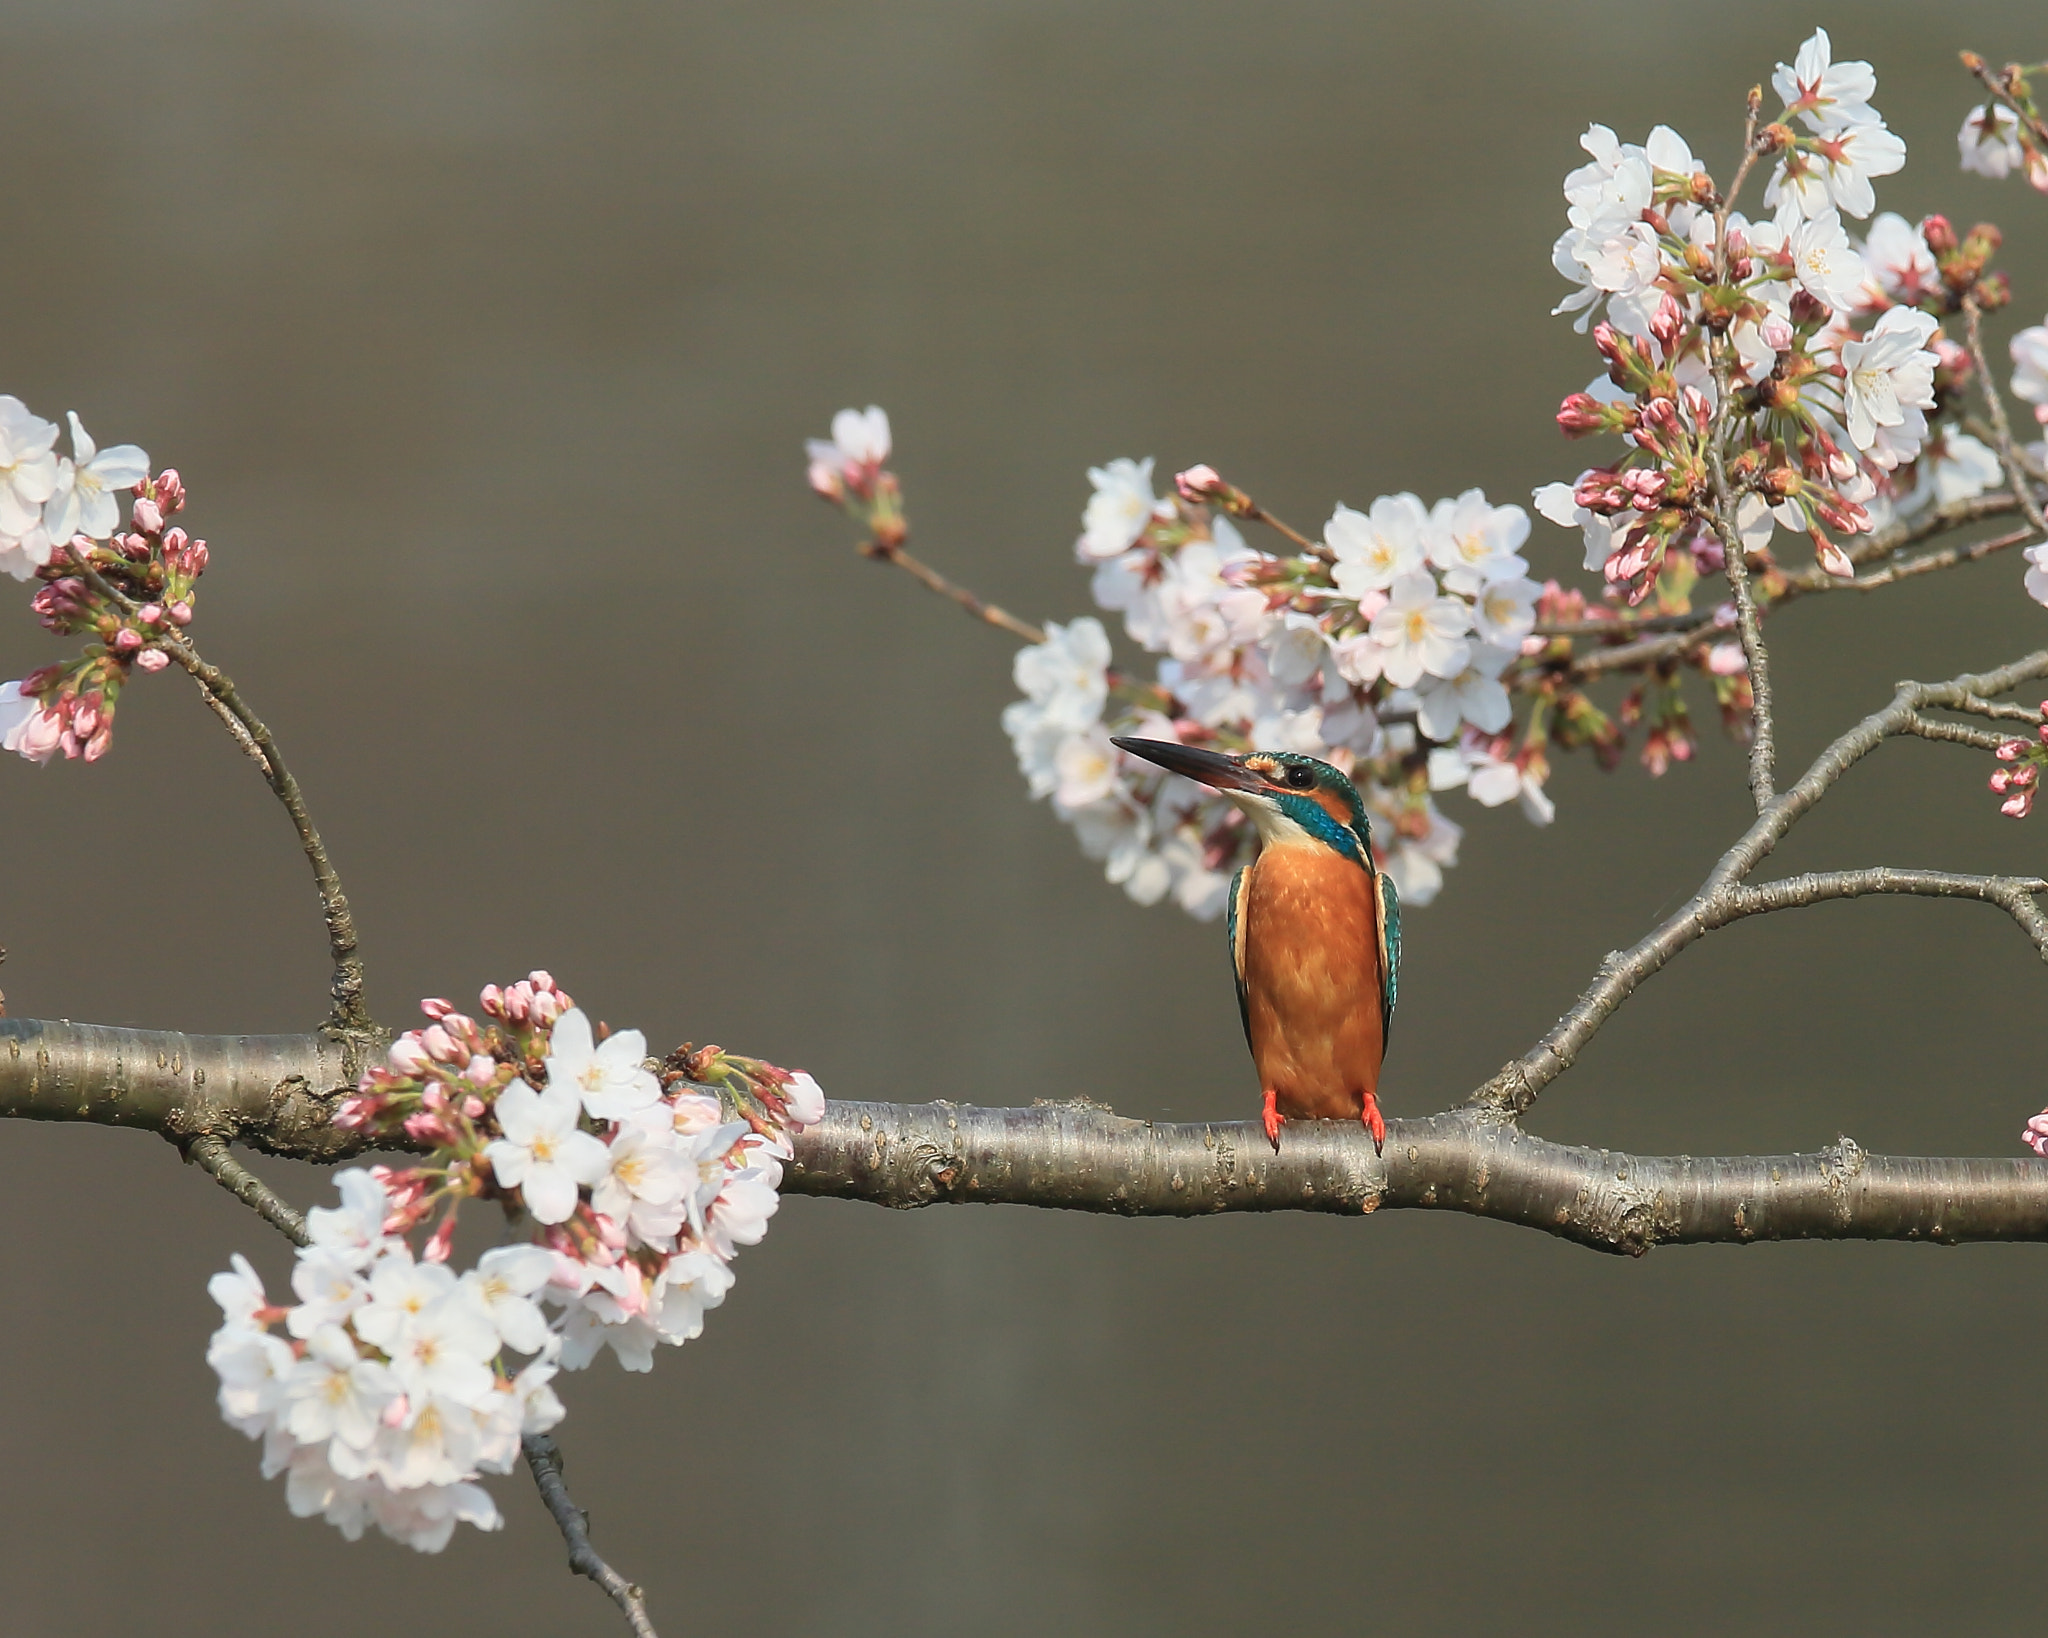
(130,591)
(2017,778)
(1382,641)
(846,470)
(627,1190)
(1998,138)
(1775,362)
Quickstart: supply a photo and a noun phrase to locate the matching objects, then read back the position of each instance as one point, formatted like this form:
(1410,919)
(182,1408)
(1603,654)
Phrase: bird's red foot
(1369,1115)
(1271,1119)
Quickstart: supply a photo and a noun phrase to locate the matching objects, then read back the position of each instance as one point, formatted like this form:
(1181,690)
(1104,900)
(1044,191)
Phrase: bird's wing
(1388,904)
(1233,928)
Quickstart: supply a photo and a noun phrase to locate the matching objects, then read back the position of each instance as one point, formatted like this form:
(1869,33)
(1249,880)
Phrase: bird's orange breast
(1311,964)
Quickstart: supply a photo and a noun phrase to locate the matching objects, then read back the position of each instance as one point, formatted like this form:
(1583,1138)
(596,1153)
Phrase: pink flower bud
(825,482)
(152,659)
(493,1001)
(1198,482)
(541,979)
(151,614)
(440,1242)
(147,516)
(436,1008)
(127,640)
(2018,805)
(547,1007)
(1727,660)
(2001,779)
(2035,1137)
(174,540)
(1776,333)
(473,1107)
(179,613)
(1833,559)
(2009,750)
(407,1056)
(440,1046)
(2025,776)
(482,1070)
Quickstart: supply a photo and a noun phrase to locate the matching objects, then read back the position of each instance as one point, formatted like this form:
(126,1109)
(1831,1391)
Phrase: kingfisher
(1314,930)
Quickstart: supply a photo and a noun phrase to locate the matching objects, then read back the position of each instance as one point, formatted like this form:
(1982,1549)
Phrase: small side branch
(544,1458)
(932,580)
(2001,427)
(1718,901)
(348,1013)
(210,1154)
(2015,895)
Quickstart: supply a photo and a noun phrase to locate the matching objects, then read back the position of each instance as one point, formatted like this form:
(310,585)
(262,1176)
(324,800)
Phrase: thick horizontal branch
(273,1092)
(1084,1158)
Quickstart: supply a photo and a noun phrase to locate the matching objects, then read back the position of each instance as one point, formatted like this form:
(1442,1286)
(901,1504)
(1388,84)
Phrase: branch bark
(1083,1158)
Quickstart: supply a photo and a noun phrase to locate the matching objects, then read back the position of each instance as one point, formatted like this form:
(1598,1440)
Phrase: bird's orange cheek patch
(1335,806)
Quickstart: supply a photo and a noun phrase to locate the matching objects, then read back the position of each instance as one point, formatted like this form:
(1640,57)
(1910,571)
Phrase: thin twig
(348,1014)
(886,552)
(2001,428)
(210,1154)
(2002,92)
(544,1458)
(1748,624)
(1953,733)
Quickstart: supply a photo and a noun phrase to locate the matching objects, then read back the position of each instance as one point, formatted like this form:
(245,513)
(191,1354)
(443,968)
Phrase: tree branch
(892,552)
(210,1154)
(349,1013)
(544,1459)
(1516,1086)
(1083,1158)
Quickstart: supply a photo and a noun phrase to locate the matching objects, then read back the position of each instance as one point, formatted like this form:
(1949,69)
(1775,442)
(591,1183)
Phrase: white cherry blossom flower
(1989,142)
(1374,548)
(1421,631)
(2030,368)
(643,1189)
(28,469)
(503,1285)
(1497,782)
(1086,766)
(1836,173)
(253,1367)
(1475,542)
(805,1099)
(1116,514)
(2037,589)
(1417,863)
(856,450)
(1066,676)
(609,1075)
(1823,261)
(444,1353)
(330,1287)
(354,1230)
(1889,369)
(1504,611)
(82,501)
(1964,469)
(1475,695)
(1900,266)
(1826,94)
(400,1290)
(543,1154)
(1559,503)
(239,1291)
(335,1393)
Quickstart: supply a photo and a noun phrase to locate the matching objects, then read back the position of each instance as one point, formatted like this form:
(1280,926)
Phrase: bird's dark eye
(1300,778)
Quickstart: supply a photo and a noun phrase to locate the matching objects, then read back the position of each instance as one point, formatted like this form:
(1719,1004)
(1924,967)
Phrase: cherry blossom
(83,499)
(1374,548)
(610,1075)
(853,456)
(1421,631)
(1989,141)
(1890,370)
(542,1154)
(1123,503)
(1826,94)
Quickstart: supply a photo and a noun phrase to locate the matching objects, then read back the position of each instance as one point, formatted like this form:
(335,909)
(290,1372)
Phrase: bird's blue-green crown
(1318,798)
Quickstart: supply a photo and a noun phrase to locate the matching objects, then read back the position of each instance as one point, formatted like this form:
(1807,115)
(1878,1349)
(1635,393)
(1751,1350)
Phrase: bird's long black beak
(1211,768)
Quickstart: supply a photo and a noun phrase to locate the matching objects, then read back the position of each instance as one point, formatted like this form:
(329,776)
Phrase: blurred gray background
(486,336)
